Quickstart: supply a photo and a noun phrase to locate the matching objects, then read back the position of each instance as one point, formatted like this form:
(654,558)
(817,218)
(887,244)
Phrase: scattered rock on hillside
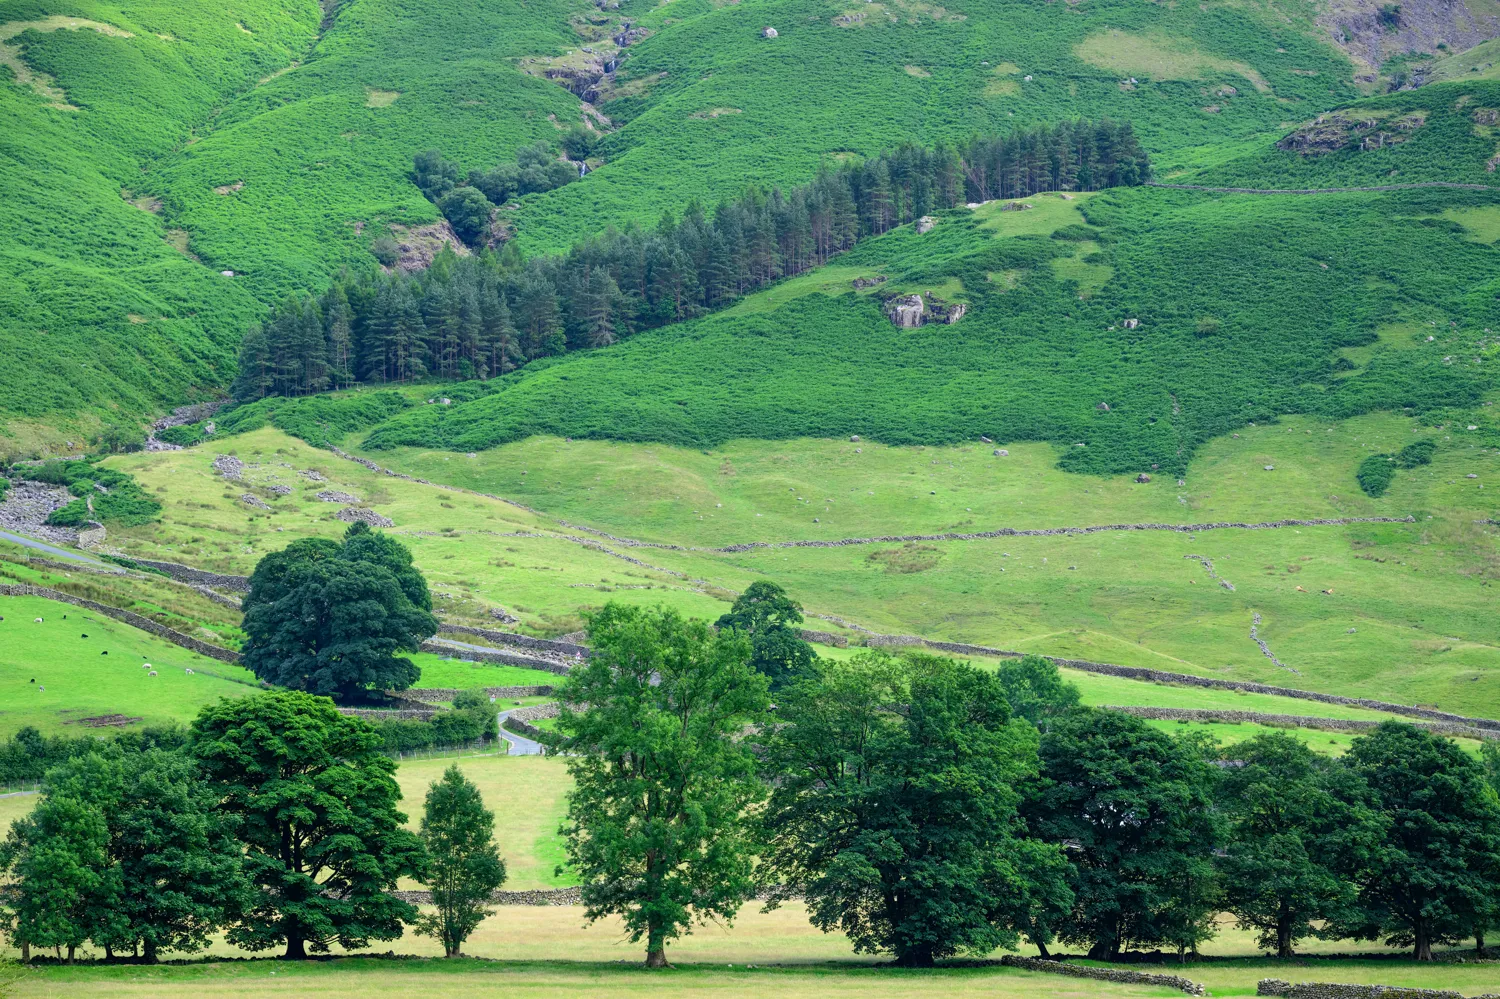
(334,496)
(906,311)
(1143,478)
(768,32)
(1014,206)
(1001,453)
(280,490)
(363,515)
(251,500)
(308,473)
(925,224)
(1103,407)
(229,466)
(860,283)
(503,616)
(1131,324)
(27,506)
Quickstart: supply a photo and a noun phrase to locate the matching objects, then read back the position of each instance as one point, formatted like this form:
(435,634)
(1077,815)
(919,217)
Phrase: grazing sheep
(189,672)
(38,620)
(152,673)
(145,665)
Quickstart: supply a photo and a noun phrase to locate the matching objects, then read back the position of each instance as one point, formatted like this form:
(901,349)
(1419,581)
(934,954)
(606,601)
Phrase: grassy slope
(1418,595)
(82,682)
(99,312)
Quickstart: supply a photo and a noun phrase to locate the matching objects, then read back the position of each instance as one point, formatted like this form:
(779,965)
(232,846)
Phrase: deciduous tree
(658,824)
(463,864)
(316,805)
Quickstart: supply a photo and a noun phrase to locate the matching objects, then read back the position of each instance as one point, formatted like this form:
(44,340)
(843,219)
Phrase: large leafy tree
(1035,689)
(463,865)
(1135,805)
(329,618)
(895,808)
(62,887)
(176,866)
(768,616)
(1297,822)
(315,802)
(658,823)
(1438,867)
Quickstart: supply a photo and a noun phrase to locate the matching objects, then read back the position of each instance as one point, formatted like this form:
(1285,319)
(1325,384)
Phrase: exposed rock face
(28,505)
(1143,477)
(363,515)
(925,224)
(768,32)
(860,282)
(1014,206)
(1131,324)
(911,311)
(419,246)
(1370,32)
(906,311)
(1338,130)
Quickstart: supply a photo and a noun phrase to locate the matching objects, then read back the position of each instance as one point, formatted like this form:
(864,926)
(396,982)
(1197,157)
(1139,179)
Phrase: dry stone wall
(202,577)
(496,656)
(1341,990)
(540,896)
(435,695)
(1104,974)
(1299,721)
(511,638)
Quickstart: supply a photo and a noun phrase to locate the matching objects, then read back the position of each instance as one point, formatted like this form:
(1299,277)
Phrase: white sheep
(189,672)
(152,673)
(145,665)
(38,620)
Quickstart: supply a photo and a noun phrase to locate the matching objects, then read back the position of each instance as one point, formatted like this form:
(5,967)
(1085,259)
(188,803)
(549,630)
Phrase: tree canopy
(658,825)
(463,865)
(767,615)
(330,618)
(894,810)
(316,807)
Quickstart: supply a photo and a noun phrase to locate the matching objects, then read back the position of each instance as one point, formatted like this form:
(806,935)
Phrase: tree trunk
(148,953)
(296,949)
(25,952)
(1479,942)
(1422,949)
(919,958)
(656,943)
(71,948)
(1041,950)
(1102,950)
(1284,938)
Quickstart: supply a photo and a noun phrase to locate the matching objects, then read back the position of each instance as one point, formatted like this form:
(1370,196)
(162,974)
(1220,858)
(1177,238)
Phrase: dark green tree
(1438,867)
(767,615)
(315,802)
(330,618)
(894,811)
(1035,689)
(658,824)
(1138,805)
(1297,821)
(176,865)
(469,212)
(463,864)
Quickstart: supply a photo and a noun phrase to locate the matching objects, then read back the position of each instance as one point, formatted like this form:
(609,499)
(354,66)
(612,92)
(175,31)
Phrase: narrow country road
(21,539)
(519,744)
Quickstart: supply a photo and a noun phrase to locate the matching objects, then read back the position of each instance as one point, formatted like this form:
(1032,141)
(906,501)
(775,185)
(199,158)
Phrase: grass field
(53,677)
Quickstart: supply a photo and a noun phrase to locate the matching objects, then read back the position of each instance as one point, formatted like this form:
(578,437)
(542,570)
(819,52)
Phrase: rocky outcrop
(27,505)
(418,246)
(1338,130)
(911,311)
(334,496)
(1372,31)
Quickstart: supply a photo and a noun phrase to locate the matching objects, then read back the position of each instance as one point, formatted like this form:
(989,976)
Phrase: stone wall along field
(1340,990)
(1295,721)
(132,619)
(1104,974)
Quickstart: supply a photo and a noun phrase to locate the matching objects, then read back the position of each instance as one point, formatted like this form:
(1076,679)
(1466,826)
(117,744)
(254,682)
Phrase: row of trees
(275,823)
(921,806)
(485,315)
(925,808)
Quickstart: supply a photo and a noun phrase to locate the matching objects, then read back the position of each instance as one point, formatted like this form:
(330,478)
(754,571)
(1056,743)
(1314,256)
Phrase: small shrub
(1416,453)
(1375,474)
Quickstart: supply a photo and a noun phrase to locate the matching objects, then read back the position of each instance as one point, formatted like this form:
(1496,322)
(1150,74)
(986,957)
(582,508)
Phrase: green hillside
(102,307)
(274,139)
(1247,306)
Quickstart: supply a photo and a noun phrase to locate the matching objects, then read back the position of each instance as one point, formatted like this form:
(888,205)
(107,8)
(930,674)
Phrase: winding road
(519,744)
(21,539)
